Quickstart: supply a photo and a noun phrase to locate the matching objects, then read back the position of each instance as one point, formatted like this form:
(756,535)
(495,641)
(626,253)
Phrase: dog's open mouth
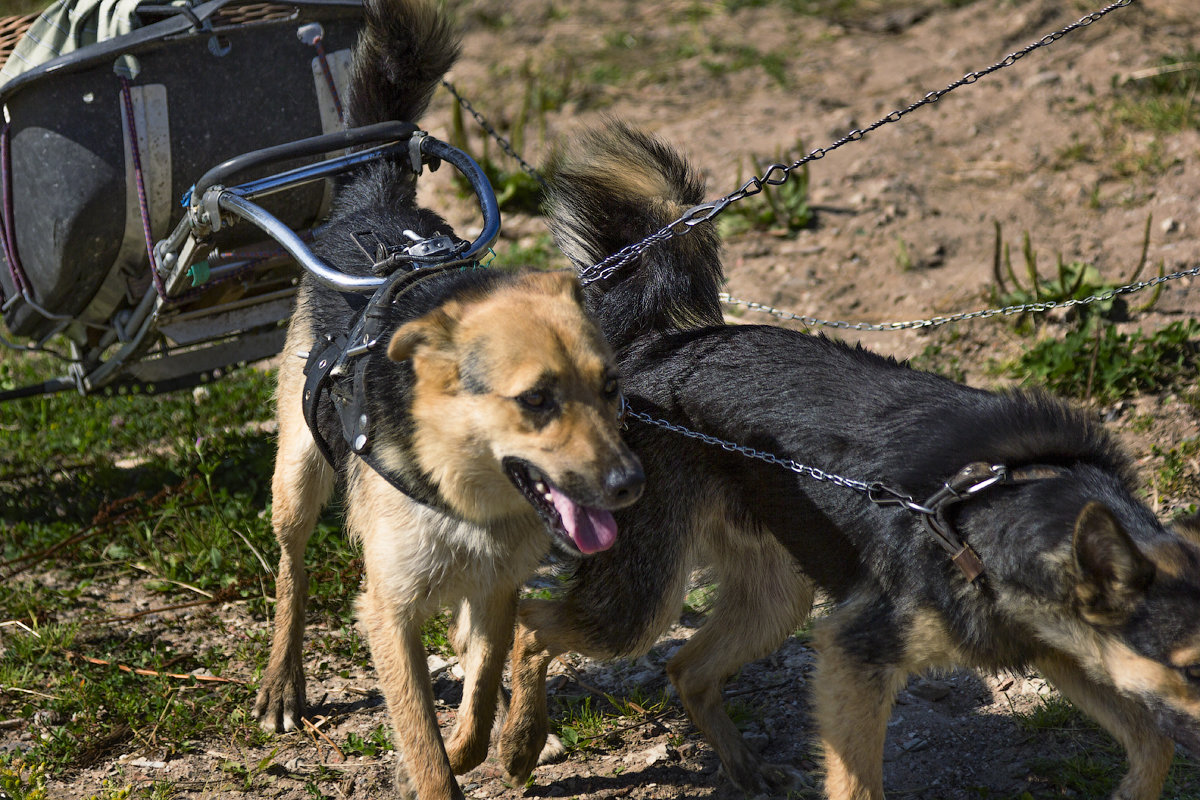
(589,530)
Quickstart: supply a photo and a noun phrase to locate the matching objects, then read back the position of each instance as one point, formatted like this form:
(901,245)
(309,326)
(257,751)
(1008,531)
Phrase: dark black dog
(1079,577)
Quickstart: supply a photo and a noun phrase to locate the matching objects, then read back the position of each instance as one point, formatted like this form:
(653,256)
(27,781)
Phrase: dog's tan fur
(417,558)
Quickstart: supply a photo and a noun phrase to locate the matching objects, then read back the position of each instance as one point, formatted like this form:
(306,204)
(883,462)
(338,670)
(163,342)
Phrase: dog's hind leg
(301,485)
(763,597)
(482,636)
(1150,753)
(853,700)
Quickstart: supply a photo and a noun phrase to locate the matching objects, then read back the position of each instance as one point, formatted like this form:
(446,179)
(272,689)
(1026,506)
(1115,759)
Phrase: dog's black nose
(624,484)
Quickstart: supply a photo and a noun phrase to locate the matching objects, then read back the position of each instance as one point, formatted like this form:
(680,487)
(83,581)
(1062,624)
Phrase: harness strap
(966,483)
(336,373)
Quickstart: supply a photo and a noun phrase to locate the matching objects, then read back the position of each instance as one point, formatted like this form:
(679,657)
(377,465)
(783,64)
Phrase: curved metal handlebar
(223,173)
(209,198)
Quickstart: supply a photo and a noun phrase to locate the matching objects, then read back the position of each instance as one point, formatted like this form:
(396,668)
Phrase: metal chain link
(505,145)
(876,492)
(933,322)
(777,174)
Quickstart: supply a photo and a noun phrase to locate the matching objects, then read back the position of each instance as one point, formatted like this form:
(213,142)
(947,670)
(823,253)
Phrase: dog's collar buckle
(967,482)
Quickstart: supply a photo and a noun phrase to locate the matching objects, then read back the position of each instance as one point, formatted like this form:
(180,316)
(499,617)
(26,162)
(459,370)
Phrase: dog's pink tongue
(591,529)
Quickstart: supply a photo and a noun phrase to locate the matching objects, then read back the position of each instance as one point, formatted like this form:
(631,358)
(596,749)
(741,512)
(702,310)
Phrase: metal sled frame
(131,355)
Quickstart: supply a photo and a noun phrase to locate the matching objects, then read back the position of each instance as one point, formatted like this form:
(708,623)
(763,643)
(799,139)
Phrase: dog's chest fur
(430,558)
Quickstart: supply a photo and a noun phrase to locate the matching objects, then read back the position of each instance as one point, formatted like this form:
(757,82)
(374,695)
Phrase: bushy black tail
(612,187)
(405,48)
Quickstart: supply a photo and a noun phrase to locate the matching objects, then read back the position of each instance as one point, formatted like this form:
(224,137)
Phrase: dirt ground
(904,230)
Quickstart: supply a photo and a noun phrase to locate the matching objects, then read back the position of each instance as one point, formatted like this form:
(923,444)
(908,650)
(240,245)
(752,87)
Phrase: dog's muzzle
(583,528)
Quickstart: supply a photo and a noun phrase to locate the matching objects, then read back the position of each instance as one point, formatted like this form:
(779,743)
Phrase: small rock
(1171,225)
(931,691)
(437,665)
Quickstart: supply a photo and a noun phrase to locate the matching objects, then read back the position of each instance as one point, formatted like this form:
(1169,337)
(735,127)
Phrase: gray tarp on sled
(202,83)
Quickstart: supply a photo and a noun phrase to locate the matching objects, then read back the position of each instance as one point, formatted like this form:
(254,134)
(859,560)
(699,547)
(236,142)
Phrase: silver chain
(933,322)
(876,492)
(505,145)
(777,174)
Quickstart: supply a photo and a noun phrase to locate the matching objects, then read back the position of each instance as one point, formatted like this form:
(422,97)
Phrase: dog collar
(965,484)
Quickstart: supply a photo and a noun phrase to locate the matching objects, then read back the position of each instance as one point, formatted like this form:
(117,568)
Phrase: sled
(122,239)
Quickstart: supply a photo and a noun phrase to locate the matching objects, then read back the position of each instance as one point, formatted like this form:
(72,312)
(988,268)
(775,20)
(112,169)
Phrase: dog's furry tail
(613,186)
(405,48)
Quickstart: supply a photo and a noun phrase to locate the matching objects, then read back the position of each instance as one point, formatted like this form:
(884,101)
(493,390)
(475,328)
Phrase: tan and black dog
(491,406)
(1079,578)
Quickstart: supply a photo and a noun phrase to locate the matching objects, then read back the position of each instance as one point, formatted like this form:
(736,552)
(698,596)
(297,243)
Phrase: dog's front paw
(280,703)
(767,780)
(521,747)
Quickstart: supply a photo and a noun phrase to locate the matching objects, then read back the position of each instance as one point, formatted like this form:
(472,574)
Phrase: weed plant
(1073,280)
(1098,362)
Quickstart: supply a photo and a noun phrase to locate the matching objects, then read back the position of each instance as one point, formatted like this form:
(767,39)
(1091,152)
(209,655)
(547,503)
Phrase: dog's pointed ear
(1111,572)
(433,332)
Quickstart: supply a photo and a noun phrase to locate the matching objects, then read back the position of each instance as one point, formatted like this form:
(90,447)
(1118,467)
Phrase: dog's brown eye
(534,400)
(1191,672)
(611,386)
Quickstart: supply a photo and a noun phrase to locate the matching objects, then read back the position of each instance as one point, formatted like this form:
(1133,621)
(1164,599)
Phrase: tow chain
(505,145)
(876,492)
(933,322)
(777,174)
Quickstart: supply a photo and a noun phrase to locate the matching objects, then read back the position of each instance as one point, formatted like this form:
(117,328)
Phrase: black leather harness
(336,374)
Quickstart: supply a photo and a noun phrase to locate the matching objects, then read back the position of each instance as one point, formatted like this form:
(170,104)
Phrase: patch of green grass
(93,711)
(1098,362)
(1051,713)
(1163,97)
(169,492)
(377,741)
(1080,775)
(585,721)
(435,634)
(580,723)
(1177,475)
